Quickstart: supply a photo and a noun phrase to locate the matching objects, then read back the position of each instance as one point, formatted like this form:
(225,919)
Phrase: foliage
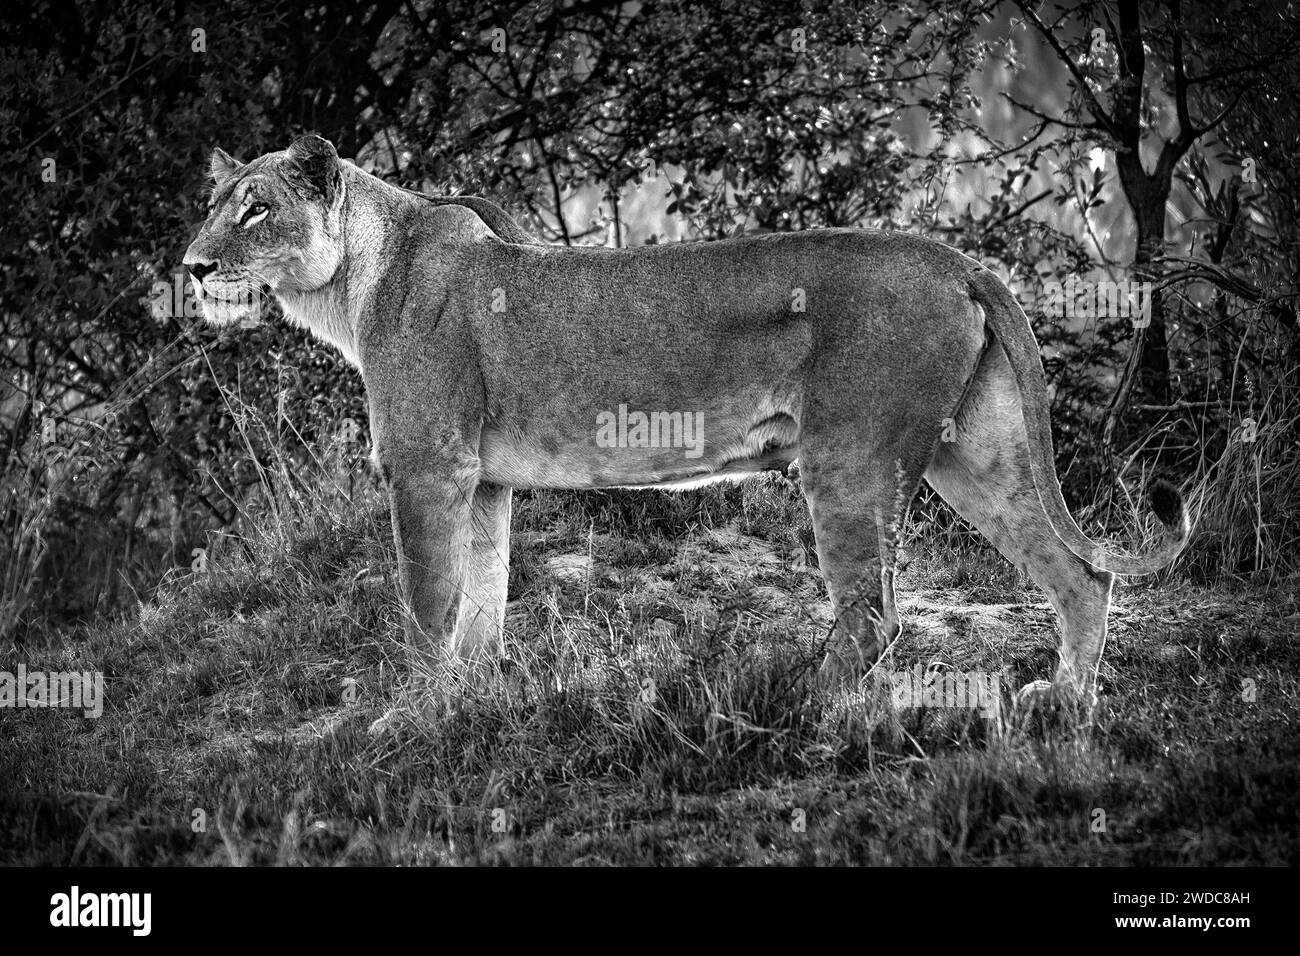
(601,121)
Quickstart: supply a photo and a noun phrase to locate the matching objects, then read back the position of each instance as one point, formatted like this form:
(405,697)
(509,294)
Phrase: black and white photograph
(651,434)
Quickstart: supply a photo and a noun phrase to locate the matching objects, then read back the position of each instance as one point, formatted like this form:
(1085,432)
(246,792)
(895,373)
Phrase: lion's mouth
(244,307)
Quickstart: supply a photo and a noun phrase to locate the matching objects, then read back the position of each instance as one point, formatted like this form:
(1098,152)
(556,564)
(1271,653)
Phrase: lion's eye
(254,214)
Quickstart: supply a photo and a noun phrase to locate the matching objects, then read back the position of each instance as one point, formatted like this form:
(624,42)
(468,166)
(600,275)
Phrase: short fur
(488,359)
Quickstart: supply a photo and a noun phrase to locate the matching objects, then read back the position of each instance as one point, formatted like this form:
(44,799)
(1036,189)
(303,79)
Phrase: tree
(1211,59)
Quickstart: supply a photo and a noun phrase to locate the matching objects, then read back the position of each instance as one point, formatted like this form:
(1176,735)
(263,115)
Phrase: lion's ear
(221,166)
(317,164)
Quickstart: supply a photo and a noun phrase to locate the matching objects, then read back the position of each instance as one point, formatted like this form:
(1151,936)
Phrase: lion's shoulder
(494,217)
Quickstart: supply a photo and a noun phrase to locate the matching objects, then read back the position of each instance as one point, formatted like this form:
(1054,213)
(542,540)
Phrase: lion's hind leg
(856,521)
(984,475)
(866,436)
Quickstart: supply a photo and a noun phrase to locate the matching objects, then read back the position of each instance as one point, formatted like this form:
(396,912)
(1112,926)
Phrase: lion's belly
(619,453)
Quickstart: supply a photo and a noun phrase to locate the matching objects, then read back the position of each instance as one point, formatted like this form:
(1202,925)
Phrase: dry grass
(656,705)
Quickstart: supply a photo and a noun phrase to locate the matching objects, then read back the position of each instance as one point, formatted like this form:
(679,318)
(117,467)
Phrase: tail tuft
(1166,502)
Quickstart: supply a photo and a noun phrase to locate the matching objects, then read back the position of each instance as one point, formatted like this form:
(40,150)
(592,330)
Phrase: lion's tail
(1011,328)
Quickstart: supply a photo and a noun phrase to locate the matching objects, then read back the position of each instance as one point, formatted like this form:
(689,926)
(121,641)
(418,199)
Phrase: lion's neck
(332,313)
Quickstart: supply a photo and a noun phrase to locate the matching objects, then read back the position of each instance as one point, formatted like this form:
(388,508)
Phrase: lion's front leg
(483,607)
(432,509)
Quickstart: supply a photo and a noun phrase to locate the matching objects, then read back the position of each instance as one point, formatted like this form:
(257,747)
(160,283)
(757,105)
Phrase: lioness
(493,362)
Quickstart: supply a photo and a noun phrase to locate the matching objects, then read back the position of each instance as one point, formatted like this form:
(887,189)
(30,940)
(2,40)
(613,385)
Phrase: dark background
(1162,147)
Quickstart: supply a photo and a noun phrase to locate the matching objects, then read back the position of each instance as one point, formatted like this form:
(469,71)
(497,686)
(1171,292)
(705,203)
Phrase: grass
(657,705)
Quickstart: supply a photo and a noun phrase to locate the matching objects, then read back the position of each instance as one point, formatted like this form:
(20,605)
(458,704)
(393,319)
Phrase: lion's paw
(394,718)
(846,663)
(387,724)
(1044,697)
(1036,695)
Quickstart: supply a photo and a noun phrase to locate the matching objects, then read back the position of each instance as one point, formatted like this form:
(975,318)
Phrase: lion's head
(273,224)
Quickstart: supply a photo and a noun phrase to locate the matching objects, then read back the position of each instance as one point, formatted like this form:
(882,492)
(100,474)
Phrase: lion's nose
(199,268)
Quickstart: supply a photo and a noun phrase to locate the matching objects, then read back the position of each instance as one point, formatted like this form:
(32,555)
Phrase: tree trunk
(1154,353)
(1147,369)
